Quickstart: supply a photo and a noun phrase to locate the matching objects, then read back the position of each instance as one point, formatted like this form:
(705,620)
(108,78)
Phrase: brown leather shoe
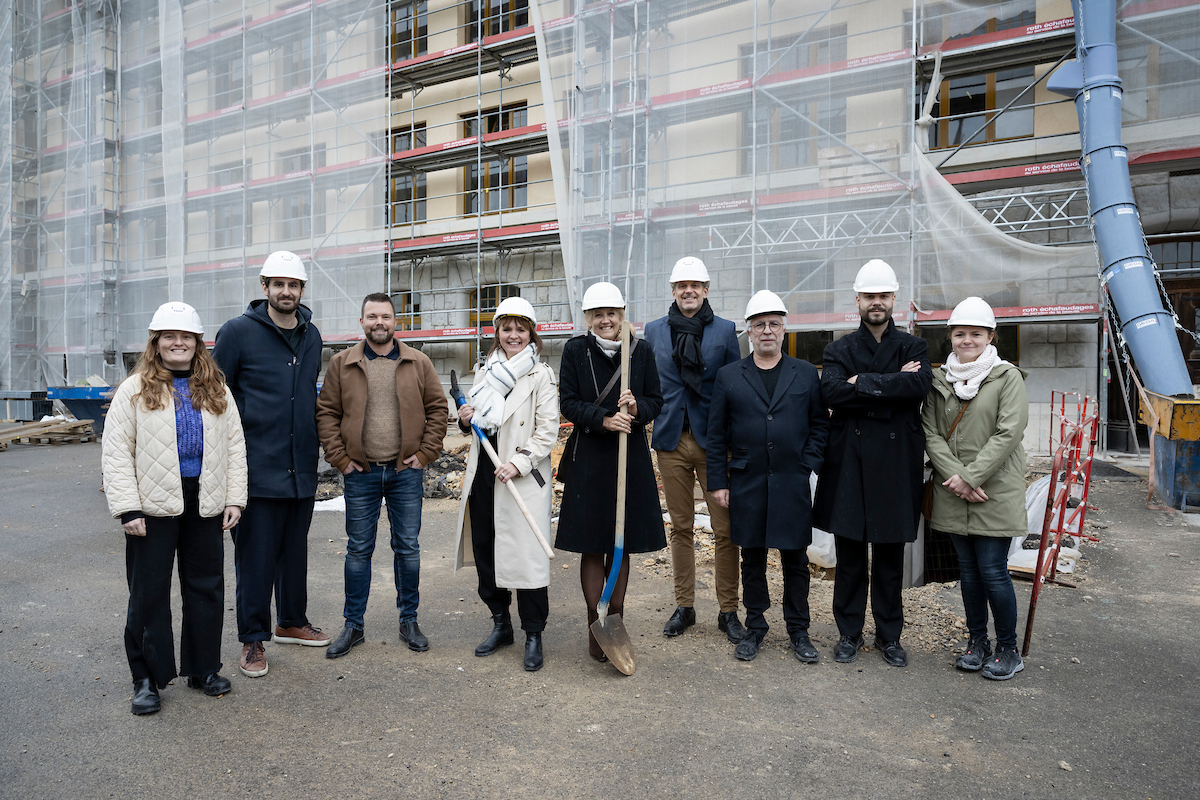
(307,636)
(253,662)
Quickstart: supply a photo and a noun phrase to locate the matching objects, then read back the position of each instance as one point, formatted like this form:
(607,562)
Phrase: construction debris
(444,476)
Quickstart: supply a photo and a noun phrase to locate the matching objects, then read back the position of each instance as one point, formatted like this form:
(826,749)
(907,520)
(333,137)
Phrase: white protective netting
(962,254)
(779,143)
(7,143)
(164,148)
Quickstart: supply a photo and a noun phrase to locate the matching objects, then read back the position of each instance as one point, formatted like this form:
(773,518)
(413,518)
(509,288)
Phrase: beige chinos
(680,469)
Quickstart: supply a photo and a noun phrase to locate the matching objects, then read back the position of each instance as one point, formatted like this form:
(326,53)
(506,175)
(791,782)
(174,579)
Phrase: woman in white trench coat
(515,401)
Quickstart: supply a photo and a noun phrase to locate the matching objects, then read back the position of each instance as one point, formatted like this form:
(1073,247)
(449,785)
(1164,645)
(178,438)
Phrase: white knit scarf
(966,378)
(610,347)
(493,383)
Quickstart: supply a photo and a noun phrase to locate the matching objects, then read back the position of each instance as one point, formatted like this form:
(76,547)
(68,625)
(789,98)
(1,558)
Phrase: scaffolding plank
(513,48)
(526,140)
(1041,42)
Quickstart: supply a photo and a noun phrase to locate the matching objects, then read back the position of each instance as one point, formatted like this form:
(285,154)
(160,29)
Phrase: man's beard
(379,335)
(885,314)
(275,304)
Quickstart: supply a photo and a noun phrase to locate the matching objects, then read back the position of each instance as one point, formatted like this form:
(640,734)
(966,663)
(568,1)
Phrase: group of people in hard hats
(199,443)
(754,431)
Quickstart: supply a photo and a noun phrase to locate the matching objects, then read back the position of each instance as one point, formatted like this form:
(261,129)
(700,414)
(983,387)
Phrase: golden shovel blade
(610,633)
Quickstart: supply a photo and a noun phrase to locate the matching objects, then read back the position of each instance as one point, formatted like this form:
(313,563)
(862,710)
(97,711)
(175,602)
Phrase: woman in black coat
(587,519)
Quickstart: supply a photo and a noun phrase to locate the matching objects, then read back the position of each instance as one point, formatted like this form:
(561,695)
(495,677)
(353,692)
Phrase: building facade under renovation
(457,153)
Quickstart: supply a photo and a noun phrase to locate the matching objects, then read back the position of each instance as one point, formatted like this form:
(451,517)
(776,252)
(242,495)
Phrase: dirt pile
(444,476)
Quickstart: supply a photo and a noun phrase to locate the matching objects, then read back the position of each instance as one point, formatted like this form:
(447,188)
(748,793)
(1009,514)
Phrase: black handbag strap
(616,376)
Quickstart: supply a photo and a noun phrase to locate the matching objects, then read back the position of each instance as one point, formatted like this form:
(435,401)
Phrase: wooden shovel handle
(623,442)
(537,531)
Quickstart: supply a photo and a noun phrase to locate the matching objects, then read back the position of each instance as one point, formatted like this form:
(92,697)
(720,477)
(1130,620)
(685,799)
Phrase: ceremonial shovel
(610,631)
(461,401)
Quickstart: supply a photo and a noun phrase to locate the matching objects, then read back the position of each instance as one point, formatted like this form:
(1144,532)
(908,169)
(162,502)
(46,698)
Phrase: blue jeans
(983,562)
(364,491)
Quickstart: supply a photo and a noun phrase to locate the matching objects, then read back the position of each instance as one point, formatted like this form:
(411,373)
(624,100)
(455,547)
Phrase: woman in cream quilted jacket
(175,476)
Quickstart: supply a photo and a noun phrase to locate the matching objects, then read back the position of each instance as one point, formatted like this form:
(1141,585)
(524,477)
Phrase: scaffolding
(161,149)
(788,143)
(158,149)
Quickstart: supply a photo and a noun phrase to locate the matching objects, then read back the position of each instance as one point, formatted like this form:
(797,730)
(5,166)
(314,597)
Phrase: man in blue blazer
(690,344)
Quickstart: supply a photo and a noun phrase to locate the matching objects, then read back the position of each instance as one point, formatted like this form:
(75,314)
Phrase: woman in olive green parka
(979,479)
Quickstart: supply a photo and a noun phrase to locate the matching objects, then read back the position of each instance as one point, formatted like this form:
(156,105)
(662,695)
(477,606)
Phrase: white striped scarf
(493,383)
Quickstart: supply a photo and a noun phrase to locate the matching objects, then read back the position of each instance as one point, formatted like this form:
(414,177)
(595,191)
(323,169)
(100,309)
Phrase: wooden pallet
(54,432)
(57,439)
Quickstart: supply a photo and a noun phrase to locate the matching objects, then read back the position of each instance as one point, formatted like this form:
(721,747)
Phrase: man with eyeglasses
(690,344)
(873,380)
(767,414)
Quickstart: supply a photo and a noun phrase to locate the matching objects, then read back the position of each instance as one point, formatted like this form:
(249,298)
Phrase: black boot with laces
(979,650)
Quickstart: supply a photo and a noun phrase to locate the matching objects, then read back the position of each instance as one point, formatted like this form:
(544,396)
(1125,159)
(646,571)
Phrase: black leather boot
(145,697)
(533,651)
(501,635)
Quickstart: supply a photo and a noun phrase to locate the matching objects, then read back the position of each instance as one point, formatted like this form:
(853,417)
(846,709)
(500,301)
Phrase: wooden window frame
(508,187)
(492,294)
(416,41)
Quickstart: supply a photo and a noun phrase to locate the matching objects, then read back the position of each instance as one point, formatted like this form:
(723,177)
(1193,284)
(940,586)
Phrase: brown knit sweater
(381,426)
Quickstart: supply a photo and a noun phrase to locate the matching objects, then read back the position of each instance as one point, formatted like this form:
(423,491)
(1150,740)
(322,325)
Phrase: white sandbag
(1026,560)
(1015,547)
(1035,504)
(1035,507)
(821,552)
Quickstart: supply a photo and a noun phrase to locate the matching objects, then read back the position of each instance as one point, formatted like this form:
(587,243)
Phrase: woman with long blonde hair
(589,397)
(175,476)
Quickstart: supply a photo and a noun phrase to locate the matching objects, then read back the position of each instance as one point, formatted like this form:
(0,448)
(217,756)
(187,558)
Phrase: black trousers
(270,553)
(757,599)
(533,605)
(149,559)
(850,588)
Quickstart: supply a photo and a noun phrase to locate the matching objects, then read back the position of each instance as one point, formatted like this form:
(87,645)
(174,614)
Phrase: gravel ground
(1105,708)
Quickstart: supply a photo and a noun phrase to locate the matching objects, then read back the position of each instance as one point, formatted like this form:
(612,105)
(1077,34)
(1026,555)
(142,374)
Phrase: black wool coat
(776,443)
(276,394)
(588,516)
(870,486)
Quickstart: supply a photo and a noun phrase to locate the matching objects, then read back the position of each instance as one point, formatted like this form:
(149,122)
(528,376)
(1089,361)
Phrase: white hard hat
(689,268)
(765,302)
(283,264)
(177,317)
(602,295)
(515,307)
(876,276)
(973,311)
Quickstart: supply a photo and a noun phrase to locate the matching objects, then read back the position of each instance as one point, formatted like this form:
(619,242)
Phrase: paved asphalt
(692,722)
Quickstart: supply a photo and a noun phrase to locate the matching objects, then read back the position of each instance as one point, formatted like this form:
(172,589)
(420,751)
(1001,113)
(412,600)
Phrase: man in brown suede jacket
(381,418)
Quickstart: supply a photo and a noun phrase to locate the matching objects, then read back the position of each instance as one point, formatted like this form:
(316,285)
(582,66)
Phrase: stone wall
(1057,356)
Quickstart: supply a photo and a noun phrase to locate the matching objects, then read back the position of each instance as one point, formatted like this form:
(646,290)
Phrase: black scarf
(688,333)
